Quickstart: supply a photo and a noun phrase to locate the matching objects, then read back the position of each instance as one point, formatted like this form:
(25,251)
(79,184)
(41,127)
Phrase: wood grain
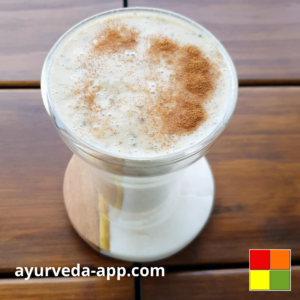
(67,288)
(262,37)
(28,29)
(34,227)
(216,284)
(256,165)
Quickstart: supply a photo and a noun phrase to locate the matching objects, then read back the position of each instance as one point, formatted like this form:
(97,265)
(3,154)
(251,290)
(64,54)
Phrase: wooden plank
(30,28)
(256,165)
(212,285)
(67,288)
(34,227)
(261,36)
(257,175)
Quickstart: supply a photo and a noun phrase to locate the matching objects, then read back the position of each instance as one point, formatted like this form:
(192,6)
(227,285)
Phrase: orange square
(280,260)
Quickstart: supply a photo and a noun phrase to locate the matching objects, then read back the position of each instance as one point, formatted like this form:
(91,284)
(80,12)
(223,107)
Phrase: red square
(259,259)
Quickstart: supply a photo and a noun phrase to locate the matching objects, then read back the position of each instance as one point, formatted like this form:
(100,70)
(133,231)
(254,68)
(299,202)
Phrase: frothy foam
(111,98)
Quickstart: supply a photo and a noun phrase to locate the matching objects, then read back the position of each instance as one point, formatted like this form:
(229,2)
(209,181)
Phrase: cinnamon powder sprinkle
(116,38)
(162,47)
(181,106)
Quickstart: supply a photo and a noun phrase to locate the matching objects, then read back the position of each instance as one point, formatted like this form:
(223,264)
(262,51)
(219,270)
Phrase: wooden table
(256,162)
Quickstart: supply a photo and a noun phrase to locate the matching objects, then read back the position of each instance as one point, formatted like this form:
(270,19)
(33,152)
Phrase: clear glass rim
(187,152)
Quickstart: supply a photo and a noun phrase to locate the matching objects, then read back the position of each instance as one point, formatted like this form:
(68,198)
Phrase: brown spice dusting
(112,39)
(89,93)
(115,38)
(196,67)
(182,109)
(162,47)
(183,116)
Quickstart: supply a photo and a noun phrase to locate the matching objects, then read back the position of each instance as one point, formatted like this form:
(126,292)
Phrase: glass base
(189,215)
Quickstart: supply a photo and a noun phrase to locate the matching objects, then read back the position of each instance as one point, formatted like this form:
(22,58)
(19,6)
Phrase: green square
(280,280)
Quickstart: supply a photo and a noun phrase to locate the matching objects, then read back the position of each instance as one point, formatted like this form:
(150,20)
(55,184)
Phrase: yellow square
(259,280)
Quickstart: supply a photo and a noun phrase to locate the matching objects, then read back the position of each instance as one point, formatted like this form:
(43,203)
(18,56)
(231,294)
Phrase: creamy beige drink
(139,95)
(139,84)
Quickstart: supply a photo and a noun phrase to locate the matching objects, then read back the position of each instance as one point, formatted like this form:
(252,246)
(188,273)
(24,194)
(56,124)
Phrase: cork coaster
(80,199)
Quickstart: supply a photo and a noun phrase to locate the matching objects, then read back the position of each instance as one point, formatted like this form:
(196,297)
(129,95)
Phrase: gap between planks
(242,83)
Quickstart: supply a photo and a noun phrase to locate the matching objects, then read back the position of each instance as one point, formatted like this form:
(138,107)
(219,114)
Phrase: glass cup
(137,209)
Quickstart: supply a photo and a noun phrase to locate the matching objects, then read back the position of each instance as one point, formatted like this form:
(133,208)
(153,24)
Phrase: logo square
(270,270)
(280,280)
(259,259)
(280,259)
(259,280)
